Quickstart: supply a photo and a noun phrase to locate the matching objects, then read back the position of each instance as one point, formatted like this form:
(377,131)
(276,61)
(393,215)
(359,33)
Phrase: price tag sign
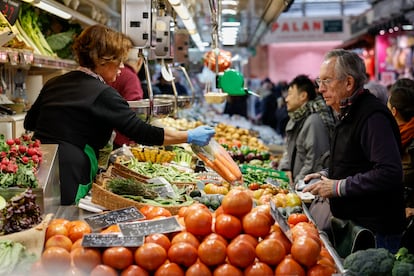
(164,188)
(106,219)
(10,9)
(281,220)
(110,240)
(147,227)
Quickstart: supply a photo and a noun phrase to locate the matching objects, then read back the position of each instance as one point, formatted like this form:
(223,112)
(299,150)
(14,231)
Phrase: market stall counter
(48,177)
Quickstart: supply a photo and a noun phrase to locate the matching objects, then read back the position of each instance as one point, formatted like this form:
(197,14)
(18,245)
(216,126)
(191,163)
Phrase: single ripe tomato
(182,253)
(256,224)
(158,212)
(160,239)
(237,203)
(258,269)
(212,252)
(185,236)
(199,222)
(288,266)
(305,250)
(228,226)
(55,259)
(134,270)
(240,253)
(103,270)
(86,259)
(270,251)
(150,256)
(118,257)
(198,269)
(296,218)
(77,228)
(227,269)
(169,269)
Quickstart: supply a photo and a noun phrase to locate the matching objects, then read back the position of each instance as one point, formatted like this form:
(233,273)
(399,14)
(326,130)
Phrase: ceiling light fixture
(228,11)
(184,14)
(62,11)
(229,35)
(229,2)
(52,8)
(230,24)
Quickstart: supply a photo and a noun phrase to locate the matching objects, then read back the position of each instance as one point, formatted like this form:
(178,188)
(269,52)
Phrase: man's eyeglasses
(324,82)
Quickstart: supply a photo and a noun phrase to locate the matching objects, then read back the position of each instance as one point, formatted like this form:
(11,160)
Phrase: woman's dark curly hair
(402,98)
(99,44)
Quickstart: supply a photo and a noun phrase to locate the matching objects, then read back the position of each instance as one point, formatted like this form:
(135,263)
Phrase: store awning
(361,41)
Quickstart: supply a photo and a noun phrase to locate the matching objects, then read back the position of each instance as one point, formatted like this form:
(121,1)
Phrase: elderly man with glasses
(364,178)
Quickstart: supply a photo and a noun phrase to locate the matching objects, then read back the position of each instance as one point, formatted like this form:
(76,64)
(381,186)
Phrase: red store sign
(307,29)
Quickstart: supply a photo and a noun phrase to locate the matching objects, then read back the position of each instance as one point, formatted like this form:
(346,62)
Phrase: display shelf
(26,58)
(53,63)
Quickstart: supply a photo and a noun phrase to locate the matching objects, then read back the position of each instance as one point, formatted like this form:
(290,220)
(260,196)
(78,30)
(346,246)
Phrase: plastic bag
(216,157)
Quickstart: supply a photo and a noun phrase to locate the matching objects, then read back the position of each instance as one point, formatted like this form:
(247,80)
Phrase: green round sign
(232,83)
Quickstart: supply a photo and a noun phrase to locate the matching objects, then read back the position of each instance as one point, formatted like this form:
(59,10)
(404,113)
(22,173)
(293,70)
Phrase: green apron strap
(83,189)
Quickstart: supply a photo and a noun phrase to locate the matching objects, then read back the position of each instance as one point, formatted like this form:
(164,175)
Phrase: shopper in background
(79,110)
(144,84)
(165,87)
(264,90)
(401,105)
(364,178)
(307,137)
(380,91)
(271,108)
(129,86)
(236,105)
(281,113)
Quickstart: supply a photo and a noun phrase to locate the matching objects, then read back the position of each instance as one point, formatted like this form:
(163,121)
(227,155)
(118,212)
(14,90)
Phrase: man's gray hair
(348,63)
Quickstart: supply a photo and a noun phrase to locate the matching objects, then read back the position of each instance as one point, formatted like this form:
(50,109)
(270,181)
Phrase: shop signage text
(305,26)
(306,29)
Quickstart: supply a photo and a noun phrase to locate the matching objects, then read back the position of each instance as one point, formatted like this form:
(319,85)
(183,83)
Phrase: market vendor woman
(79,110)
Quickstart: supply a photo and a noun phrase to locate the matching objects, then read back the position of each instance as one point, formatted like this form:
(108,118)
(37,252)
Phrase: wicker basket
(113,201)
(122,171)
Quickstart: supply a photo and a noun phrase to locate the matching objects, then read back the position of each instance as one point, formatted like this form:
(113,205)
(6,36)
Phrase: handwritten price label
(10,9)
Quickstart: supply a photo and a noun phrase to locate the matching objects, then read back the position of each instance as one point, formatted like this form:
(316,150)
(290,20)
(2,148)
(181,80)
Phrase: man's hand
(323,187)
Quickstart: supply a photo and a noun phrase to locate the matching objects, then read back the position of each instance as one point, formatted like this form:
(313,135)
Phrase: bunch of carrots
(221,162)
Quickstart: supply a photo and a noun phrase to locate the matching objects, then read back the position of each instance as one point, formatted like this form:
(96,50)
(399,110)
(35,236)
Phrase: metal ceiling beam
(271,12)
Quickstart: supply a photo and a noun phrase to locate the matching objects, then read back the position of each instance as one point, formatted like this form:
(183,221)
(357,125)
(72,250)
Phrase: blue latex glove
(200,135)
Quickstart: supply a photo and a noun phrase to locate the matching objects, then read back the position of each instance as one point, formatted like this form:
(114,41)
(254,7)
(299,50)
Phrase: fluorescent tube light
(49,7)
(229,2)
(184,14)
(230,24)
(229,11)
(407,27)
(182,11)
